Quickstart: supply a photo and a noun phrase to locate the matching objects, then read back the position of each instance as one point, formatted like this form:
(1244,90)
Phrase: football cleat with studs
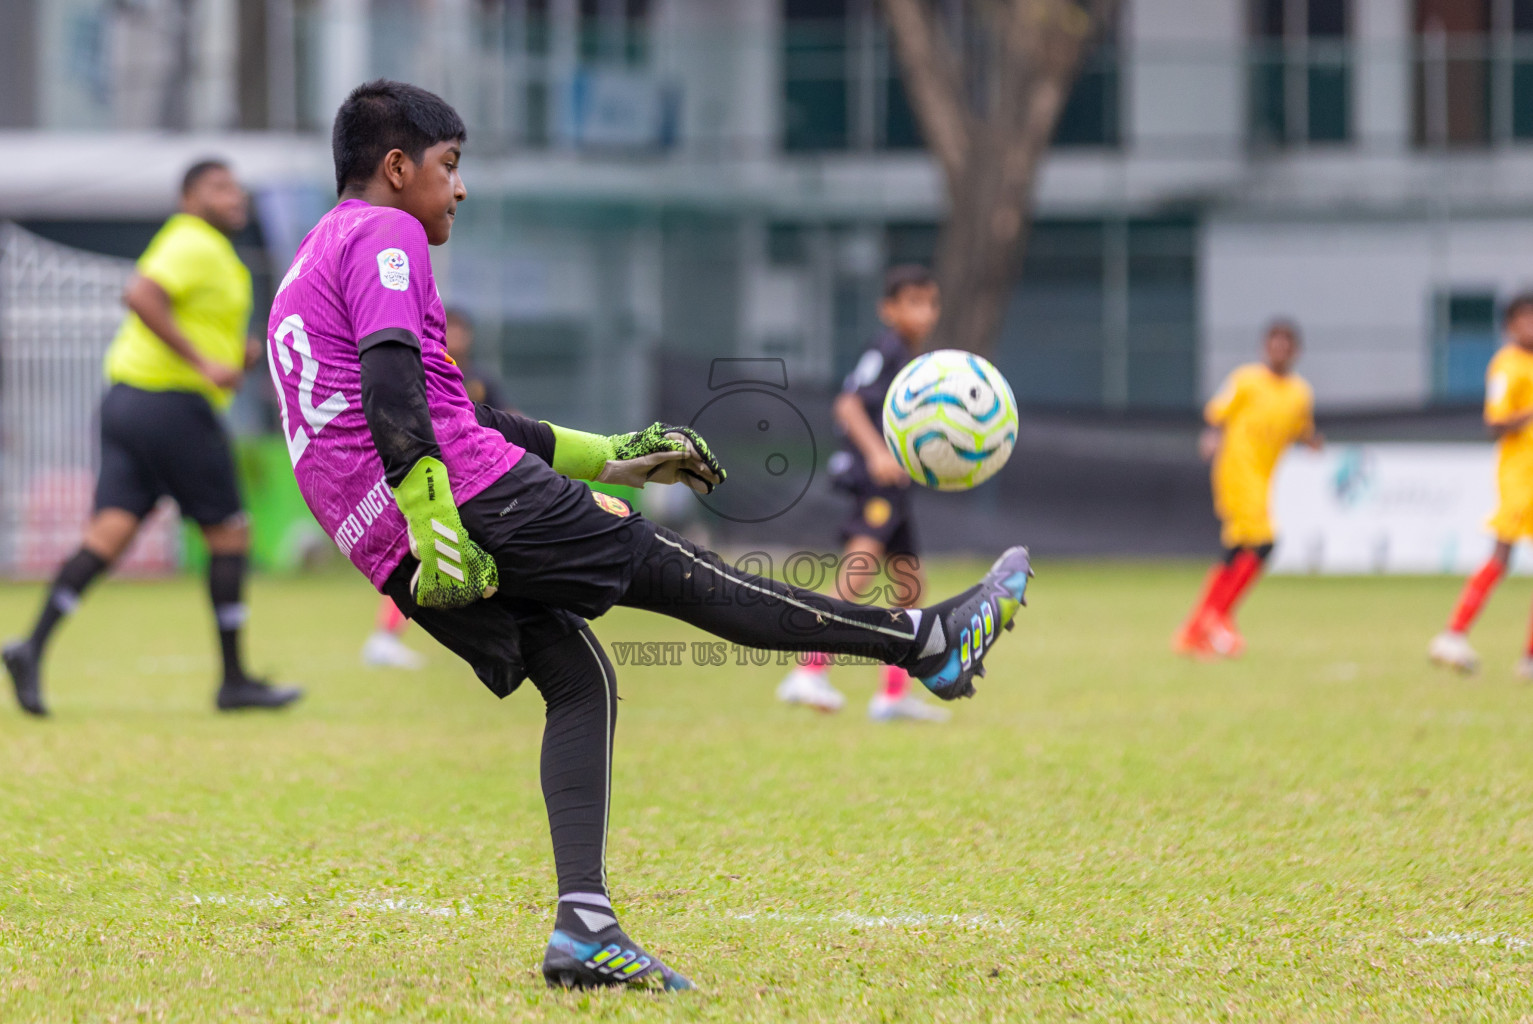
(971,628)
(604,960)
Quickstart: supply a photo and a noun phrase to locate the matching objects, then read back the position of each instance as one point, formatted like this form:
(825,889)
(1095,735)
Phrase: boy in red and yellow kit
(1260,409)
(1508,411)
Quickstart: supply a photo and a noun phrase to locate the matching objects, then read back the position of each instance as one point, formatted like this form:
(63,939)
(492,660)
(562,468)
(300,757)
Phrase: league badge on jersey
(394,269)
(617,506)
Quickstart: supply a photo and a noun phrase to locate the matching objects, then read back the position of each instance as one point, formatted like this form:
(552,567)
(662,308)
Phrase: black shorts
(882,513)
(155,443)
(565,553)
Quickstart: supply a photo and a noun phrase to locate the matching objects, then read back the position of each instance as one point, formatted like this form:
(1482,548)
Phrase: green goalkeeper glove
(454,571)
(659,454)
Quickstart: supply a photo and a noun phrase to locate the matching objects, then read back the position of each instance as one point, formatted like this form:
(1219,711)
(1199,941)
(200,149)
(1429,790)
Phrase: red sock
(896,682)
(1476,589)
(1211,586)
(1243,570)
(815,661)
(390,618)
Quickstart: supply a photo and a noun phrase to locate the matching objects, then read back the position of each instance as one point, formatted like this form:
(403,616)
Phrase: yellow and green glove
(454,572)
(658,454)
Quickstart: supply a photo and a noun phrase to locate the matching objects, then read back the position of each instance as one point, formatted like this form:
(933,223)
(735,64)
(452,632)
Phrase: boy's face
(1519,327)
(431,190)
(912,312)
(1282,351)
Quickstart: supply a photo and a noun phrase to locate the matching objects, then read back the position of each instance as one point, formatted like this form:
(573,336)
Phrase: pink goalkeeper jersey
(365,269)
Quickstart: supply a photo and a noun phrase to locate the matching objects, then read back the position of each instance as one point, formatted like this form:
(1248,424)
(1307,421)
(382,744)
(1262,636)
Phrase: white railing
(59,308)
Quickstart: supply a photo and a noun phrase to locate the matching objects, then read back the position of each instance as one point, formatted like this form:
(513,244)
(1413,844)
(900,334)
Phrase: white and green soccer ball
(950,419)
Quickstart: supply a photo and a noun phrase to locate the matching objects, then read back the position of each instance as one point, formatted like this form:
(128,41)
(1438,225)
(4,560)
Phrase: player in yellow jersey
(177,359)
(1259,410)
(1508,412)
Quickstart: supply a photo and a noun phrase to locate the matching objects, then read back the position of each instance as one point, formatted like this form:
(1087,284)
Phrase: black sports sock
(695,585)
(226,584)
(579,688)
(74,576)
(930,650)
(584,914)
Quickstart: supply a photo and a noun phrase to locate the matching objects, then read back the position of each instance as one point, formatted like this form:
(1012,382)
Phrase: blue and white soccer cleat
(971,627)
(609,958)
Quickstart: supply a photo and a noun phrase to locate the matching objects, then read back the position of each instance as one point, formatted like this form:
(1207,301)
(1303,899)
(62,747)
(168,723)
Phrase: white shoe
(811,689)
(910,708)
(1524,668)
(385,650)
(1453,651)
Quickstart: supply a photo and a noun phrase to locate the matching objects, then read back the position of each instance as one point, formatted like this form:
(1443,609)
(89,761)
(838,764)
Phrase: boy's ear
(394,167)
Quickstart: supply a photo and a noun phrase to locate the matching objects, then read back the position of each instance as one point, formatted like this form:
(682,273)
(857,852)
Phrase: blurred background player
(177,358)
(1508,410)
(880,530)
(1259,410)
(385,648)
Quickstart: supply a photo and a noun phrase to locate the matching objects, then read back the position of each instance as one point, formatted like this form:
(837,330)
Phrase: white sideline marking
(1472,939)
(383,904)
(406,905)
(880,920)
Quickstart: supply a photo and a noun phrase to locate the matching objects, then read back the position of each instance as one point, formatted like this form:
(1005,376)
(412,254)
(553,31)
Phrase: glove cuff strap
(425,485)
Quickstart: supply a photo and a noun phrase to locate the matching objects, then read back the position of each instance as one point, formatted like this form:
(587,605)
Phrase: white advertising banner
(1384,508)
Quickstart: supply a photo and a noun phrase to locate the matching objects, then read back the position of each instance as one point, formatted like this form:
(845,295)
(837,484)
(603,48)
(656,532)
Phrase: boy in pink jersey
(468,518)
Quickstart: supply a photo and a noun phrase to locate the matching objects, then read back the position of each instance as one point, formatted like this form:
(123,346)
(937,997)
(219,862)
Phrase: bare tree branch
(933,81)
(989,122)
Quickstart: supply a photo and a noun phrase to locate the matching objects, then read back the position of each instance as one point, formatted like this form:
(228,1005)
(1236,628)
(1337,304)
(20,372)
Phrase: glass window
(1299,71)
(1090,117)
(1466,340)
(901,129)
(814,75)
(1052,341)
(1454,72)
(842,86)
(1522,69)
(613,31)
(1162,307)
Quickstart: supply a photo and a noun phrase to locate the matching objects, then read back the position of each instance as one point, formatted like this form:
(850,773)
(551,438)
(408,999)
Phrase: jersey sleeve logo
(394,269)
(866,372)
(1497,387)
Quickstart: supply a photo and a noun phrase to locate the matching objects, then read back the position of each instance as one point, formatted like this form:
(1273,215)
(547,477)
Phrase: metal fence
(59,308)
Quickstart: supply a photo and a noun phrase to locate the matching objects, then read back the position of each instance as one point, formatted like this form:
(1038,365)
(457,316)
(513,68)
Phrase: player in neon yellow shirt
(177,358)
(1259,410)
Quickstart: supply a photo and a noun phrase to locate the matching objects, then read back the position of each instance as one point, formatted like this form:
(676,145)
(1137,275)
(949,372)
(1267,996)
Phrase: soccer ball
(950,419)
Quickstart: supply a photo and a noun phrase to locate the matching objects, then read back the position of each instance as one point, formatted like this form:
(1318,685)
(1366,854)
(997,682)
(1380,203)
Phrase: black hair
(1520,302)
(382,115)
(906,275)
(195,172)
(1285,326)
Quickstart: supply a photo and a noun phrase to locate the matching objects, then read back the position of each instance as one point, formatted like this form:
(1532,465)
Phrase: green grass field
(1326,830)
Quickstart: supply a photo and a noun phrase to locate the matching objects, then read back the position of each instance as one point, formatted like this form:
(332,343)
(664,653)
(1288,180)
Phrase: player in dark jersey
(879,529)
(468,518)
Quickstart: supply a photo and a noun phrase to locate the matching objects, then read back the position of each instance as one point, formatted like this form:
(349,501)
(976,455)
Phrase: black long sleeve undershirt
(536,437)
(394,402)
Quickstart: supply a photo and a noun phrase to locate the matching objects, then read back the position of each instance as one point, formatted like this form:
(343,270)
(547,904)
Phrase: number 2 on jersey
(290,338)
